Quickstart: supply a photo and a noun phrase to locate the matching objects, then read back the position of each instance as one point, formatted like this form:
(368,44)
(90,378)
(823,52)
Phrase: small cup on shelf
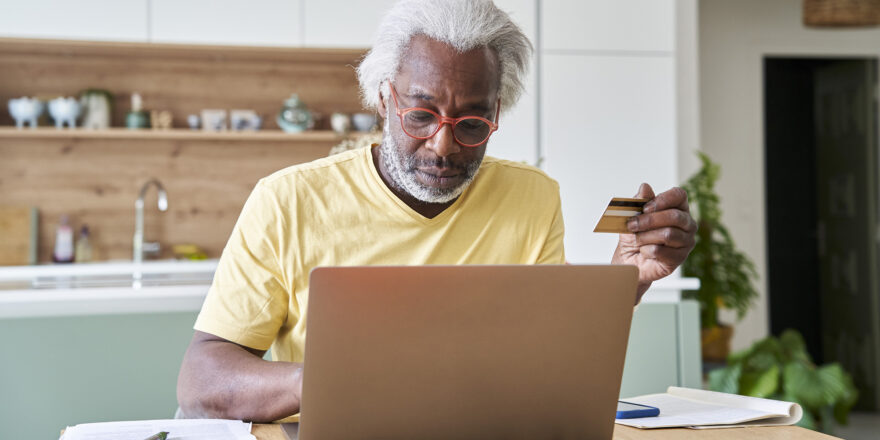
(364,121)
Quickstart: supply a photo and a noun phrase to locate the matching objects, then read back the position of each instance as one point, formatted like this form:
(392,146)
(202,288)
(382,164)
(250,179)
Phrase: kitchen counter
(166,286)
(100,301)
(104,288)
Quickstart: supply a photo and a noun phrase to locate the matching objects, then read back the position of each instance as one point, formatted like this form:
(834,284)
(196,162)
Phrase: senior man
(440,73)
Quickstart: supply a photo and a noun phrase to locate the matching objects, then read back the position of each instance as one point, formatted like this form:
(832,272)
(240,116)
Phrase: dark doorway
(822,210)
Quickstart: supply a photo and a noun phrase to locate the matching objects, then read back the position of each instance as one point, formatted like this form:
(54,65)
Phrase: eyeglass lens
(469,131)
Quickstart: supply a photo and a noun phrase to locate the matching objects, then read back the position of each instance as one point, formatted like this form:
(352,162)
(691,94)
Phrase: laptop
(465,352)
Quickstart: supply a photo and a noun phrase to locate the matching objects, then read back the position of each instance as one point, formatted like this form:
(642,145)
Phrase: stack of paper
(691,408)
(194,429)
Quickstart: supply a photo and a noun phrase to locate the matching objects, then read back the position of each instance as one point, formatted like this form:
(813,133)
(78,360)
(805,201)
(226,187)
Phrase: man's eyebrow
(417,93)
(477,107)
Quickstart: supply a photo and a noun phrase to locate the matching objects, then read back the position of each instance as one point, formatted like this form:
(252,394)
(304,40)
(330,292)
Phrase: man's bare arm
(221,379)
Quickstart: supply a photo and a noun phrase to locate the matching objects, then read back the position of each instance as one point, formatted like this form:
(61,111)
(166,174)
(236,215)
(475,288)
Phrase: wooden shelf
(182,79)
(172,134)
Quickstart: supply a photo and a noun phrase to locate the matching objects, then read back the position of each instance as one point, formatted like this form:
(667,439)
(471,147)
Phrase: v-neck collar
(406,209)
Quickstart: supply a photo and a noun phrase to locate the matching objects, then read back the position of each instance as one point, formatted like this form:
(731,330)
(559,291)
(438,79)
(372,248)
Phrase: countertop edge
(37,303)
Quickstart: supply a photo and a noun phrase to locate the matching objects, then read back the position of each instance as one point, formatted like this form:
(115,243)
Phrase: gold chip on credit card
(619,210)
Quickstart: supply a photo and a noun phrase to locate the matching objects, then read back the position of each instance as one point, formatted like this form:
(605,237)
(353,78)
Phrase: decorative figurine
(161,120)
(97,108)
(294,117)
(25,110)
(137,117)
(64,111)
(340,123)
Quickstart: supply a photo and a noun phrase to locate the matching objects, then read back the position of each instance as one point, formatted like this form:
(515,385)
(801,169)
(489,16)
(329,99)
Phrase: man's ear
(381,106)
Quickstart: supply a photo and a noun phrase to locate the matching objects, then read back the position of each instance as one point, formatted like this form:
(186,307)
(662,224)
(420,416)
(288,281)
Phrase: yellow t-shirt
(337,211)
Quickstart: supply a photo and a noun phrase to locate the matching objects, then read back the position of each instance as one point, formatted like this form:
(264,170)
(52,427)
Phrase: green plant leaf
(740,356)
(793,347)
(760,383)
(802,382)
(835,380)
(818,387)
(726,274)
(725,380)
(765,353)
(781,368)
(848,394)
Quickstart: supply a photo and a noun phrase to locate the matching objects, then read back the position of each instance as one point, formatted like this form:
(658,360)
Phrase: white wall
(687,87)
(734,38)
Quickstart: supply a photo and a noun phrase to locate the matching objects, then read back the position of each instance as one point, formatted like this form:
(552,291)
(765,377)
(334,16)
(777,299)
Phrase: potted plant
(725,273)
(780,368)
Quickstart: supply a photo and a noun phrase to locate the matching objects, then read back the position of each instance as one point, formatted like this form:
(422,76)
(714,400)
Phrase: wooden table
(275,432)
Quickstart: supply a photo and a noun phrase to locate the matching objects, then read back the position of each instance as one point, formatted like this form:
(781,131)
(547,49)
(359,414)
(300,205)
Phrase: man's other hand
(661,237)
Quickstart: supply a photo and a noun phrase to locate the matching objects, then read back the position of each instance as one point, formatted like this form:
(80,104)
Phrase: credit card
(619,210)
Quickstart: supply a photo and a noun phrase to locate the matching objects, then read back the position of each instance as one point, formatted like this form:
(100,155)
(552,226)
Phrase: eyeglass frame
(493,126)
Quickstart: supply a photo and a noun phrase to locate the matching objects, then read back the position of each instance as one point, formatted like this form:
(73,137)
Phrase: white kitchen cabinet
(352,23)
(516,138)
(81,20)
(342,23)
(235,22)
(606,25)
(608,125)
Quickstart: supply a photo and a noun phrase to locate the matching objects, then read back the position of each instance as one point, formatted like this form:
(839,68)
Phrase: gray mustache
(440,163)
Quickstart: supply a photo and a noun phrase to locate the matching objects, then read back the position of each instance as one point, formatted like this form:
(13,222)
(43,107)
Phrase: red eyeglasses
(421,123)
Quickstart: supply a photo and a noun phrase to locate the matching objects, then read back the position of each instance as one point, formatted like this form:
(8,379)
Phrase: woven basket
(841,13)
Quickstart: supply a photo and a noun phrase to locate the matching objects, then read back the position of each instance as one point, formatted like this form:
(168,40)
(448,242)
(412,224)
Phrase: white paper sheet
(686,407)
(183,429)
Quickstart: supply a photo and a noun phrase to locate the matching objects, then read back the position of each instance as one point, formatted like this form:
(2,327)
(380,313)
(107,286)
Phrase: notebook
(194,429)
(700,409)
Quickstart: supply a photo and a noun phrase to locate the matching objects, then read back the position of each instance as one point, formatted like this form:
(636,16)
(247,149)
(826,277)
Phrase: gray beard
(402,171)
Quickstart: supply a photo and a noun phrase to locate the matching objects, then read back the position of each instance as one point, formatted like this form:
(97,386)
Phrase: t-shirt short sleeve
(553,251)
(248,300)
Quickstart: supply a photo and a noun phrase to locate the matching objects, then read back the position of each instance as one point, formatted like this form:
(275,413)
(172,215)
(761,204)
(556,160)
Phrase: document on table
(699,409)
(183,429)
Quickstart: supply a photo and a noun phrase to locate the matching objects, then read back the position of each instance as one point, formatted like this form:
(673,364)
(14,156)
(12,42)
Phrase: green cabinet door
(663,349)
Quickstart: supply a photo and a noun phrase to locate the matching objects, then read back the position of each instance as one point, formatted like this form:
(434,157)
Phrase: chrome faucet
(138,243)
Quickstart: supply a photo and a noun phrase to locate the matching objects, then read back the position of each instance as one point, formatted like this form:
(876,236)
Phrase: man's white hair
(464,25)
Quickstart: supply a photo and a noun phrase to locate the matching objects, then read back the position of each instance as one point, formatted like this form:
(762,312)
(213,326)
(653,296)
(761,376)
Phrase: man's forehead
(428,67)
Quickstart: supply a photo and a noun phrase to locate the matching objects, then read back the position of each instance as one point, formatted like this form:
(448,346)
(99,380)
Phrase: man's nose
(443,143)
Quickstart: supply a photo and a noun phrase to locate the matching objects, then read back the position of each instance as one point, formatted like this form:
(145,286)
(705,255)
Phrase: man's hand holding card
(658,239)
